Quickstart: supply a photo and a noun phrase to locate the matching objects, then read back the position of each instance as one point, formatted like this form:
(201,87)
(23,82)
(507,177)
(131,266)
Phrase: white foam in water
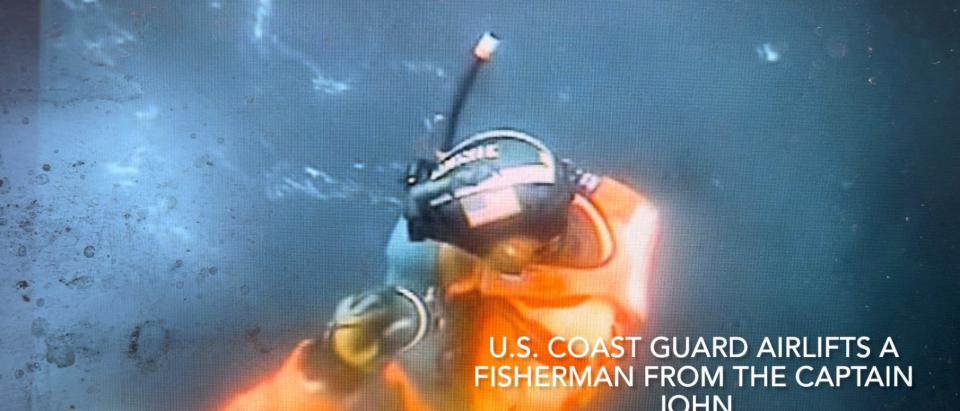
(263,12)
(770,52)
(150,113)
(424,67)
(319,80)
(330,86)
(320,185)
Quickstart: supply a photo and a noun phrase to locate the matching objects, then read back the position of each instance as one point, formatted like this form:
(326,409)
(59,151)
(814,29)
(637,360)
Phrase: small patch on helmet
(588,183)
(489,206)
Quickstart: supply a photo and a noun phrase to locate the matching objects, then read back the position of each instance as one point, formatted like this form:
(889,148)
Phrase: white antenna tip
(486,46)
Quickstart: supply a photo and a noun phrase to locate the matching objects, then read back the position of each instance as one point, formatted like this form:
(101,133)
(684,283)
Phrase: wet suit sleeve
(370,328)
(299,385)
(411,265)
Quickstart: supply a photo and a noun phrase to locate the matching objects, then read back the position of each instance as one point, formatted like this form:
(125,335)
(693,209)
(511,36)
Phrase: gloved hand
(366,332)
(371,327)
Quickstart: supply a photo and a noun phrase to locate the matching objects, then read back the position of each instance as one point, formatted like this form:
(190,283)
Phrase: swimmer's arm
(412,265)
(369,329)
(412,270)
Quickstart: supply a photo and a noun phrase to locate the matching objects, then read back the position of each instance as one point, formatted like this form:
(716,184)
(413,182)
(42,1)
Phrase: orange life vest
(597,301)
(627,227)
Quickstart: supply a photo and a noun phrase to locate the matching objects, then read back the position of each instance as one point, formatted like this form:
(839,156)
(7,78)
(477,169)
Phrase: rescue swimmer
(499,238)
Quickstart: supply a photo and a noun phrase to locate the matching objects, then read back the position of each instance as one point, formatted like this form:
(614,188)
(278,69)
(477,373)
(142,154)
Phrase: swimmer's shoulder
(411,264)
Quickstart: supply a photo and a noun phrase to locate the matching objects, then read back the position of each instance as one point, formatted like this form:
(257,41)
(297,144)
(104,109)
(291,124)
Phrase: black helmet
(492,185)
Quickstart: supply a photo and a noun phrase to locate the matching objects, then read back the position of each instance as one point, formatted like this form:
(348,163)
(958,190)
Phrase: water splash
(424,67)
(264,8)
(328,85)
(319,80)
(770,52)
(375,185)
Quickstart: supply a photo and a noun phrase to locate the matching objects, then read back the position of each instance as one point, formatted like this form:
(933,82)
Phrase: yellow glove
(368,329)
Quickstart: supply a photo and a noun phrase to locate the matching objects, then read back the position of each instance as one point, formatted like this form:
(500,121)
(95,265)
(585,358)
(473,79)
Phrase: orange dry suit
(598,292)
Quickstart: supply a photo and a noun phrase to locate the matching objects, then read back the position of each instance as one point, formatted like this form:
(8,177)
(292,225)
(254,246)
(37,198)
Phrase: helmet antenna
(482,53)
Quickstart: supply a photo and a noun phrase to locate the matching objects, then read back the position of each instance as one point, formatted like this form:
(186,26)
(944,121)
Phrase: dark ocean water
(189,187)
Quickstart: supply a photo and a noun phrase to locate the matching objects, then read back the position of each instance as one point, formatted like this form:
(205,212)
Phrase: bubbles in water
(149,344)
(89,251)
(21,251)
(60,352)
(41,179)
